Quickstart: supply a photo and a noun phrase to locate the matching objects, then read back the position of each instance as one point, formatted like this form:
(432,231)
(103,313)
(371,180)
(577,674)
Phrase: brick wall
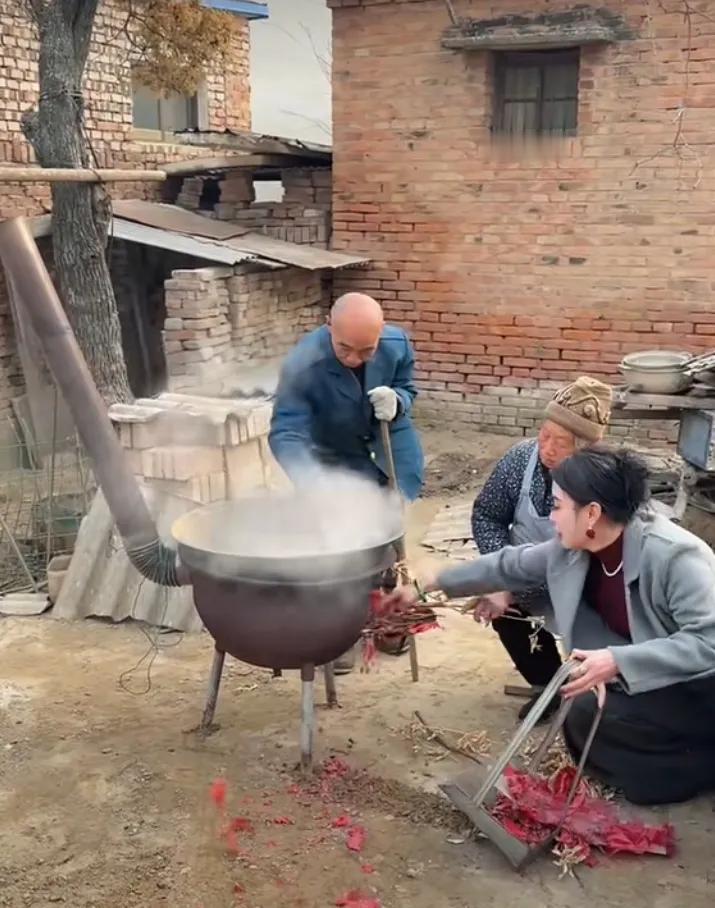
(11,381)
(271,310)
(516,267)
(302,216)
(219,318)
(109,122)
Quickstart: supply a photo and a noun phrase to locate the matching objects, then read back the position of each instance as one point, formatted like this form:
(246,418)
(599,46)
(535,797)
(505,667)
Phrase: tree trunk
(80,211)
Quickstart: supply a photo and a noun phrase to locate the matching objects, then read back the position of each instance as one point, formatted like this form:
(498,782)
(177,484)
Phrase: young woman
(634,599)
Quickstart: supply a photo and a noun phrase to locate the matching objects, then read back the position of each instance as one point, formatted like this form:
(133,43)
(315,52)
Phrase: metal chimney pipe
(36,293)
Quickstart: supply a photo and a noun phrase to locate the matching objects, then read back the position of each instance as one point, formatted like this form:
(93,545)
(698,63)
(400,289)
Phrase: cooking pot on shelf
(657,371)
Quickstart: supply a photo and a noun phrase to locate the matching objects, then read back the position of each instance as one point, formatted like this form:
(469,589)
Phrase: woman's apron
(529,527)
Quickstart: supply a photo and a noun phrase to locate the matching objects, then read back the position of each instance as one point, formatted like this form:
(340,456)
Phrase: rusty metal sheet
(199,247)
(175,219)
(311,258)
(171,227)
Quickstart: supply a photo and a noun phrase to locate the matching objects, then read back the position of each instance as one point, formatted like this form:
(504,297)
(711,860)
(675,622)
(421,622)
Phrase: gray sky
(290,87)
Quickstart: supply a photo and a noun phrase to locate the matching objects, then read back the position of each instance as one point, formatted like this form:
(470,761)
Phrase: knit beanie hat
(583,407)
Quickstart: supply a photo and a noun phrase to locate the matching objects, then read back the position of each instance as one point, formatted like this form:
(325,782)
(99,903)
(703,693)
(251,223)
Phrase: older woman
(634,598)
(513,508)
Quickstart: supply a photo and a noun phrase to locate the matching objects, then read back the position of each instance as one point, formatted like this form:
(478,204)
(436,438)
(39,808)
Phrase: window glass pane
(178,112)
(520,117)
(560,81)
(521,83)
(559,116)
(145,107)
(537,92)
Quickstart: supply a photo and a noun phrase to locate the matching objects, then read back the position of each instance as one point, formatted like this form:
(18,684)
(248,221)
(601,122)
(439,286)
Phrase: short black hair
(615,479)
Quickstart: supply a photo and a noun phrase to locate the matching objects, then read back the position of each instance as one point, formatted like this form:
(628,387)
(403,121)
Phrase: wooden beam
(197,166)
(70,175)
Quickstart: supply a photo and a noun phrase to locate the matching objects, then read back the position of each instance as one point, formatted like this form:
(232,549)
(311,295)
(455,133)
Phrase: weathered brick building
(128,125)
(187,322)
(533,183)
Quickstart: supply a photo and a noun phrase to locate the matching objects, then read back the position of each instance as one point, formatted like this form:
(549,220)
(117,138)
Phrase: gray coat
(670,593)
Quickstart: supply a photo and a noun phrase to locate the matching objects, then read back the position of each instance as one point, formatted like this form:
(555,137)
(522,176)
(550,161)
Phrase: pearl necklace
(607,572)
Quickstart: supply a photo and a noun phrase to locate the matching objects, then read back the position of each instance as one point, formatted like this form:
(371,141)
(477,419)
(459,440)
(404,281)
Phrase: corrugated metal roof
(101,582)
(197,247)
(171,227)
(176,219)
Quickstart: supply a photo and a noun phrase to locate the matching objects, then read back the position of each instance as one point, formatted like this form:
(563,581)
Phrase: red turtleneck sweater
(607,595)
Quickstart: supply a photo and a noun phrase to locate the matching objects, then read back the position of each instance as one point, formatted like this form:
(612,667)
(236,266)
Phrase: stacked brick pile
(303,215)
(197,330)
(270,310)
(196,450)
(218,318)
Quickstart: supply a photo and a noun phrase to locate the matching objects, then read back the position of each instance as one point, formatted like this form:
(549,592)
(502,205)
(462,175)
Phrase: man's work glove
(384,403)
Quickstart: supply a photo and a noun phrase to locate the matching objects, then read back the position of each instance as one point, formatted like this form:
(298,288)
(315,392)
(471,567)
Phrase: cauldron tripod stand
(307,726)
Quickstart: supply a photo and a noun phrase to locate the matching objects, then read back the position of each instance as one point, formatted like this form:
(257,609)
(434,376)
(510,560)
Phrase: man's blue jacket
(322,413)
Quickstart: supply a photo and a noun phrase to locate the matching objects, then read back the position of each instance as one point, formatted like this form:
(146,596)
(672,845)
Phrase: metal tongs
(474,799)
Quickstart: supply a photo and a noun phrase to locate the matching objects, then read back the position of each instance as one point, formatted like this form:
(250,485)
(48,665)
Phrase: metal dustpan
(474,796)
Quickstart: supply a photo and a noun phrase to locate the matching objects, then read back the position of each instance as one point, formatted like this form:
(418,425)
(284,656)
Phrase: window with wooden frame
(536,93)
(154,112)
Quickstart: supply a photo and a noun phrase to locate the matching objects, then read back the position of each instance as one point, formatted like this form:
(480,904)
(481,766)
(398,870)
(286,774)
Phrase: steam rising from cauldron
(322,527)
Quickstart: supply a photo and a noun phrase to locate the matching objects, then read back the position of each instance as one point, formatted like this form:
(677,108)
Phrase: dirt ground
(105,793)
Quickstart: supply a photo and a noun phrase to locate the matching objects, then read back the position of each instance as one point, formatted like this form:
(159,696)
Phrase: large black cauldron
(303,603)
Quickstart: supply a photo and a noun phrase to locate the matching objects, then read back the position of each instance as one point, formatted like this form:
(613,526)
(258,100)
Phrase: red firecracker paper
(535,807)
(356,838)
(356,899)
(219,787)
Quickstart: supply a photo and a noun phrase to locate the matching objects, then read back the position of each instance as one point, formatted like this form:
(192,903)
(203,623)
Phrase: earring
(591,533)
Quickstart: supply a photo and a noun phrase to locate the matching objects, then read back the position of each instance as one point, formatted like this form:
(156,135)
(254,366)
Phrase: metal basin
(657,371)
(280,597)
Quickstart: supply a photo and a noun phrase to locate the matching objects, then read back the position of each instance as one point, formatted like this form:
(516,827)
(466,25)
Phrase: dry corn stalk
(475,745)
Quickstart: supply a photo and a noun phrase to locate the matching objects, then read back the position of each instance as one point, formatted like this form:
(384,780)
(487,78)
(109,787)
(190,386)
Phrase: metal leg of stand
(331,694)
(686,484)
(307,718)
(214,683)
(414,664)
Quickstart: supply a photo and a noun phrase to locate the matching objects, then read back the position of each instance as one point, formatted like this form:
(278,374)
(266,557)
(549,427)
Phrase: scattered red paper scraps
(219,789)
(283,821)
(424,627)
(356,899)
(231,840)
(342,821)
(535,807)
(238,889)
(241,824)
(334,766)
(367,868)
(356,838)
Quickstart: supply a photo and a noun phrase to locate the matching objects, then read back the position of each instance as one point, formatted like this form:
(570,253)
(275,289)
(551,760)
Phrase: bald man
(336,385)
